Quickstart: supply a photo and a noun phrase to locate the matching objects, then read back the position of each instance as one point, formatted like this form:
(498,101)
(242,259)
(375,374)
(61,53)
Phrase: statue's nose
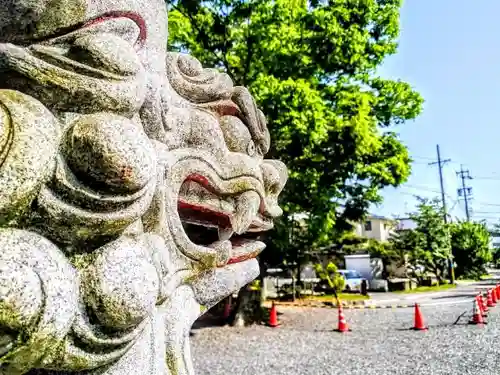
(275,174)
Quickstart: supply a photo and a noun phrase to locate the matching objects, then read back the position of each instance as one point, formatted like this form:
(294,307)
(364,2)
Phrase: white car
(352,280)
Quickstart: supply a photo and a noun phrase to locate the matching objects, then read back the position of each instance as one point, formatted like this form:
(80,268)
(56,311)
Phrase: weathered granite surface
(133,188)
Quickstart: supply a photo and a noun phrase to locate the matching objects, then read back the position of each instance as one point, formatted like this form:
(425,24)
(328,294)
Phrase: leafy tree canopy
(312,67)
(470,243)
(427,247)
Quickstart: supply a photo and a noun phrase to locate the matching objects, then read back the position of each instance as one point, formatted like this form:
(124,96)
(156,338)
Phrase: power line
(434,190)
(430,189)
(422,187)
(465,191)
(421,160)
(490,218)
(487,178)
(488,204)
(413,157)
(427,189)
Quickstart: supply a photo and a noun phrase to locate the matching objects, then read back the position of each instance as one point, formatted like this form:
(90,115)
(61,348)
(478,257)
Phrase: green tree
(495,232)
(408,250)
(331,275)
(427,247)
(470,244)
(434,236)
(496,257)
(312,67)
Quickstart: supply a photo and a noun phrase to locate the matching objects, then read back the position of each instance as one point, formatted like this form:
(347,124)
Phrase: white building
(494,239)
(376,227)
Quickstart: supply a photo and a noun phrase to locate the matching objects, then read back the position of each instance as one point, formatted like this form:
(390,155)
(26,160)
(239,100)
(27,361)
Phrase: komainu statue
(133,188)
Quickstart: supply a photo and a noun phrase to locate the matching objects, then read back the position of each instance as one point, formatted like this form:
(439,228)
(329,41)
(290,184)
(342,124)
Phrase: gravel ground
(380,343)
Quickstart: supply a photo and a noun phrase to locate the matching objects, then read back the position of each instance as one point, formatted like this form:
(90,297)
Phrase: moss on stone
(82,261)
(60,14)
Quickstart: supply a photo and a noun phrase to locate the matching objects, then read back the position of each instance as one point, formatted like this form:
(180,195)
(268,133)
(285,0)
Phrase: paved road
(463,293)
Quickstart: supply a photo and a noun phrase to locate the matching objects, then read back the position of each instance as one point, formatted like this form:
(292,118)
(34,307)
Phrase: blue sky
(450,52)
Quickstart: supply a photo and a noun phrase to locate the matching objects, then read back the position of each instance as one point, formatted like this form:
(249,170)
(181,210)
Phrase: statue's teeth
(223,251)
(225,233)
(247,207)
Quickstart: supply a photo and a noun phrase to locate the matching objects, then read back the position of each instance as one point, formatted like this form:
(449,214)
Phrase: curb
(352,306)
(395,306)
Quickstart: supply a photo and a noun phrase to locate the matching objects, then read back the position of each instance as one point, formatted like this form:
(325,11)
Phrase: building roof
(379,217)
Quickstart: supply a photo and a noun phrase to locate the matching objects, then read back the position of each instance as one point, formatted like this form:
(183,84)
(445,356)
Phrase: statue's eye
(251,148)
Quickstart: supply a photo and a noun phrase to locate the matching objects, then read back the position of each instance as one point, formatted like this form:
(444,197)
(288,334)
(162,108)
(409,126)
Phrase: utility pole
(440,163)
(465,191)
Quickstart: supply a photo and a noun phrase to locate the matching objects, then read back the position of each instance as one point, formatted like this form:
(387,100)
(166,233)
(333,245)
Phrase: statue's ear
(195,84)
(164,115)
(253,117)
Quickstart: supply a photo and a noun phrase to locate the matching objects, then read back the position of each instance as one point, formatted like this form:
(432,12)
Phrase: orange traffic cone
(419,320)
(480,303)
(273,317)
(494,296)
(485,305)
(489,301)
(477,318)
(343,327)
(227,308)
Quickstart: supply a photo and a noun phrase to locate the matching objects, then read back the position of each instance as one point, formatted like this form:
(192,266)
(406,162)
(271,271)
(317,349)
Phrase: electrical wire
(482,215)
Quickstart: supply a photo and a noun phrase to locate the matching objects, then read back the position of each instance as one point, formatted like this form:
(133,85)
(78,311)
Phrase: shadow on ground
(487,283)
(456,295)
(216,319)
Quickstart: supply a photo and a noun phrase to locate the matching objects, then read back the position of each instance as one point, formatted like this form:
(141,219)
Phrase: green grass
(483,277)
(422,289)
(342,297)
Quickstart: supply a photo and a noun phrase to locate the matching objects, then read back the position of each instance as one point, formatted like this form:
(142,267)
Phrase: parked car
(352,280)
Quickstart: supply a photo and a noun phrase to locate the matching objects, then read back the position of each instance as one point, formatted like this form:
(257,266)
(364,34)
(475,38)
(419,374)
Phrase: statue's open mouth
(209,218)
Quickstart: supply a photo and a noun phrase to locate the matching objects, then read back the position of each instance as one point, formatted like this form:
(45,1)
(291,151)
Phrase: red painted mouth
(133,16)
(208,221)
(113,15)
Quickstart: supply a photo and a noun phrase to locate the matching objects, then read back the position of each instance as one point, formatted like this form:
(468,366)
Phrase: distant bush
(331,275)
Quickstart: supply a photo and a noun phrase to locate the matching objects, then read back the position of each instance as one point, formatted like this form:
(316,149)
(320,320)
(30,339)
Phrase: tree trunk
(248,309)
(437,272)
